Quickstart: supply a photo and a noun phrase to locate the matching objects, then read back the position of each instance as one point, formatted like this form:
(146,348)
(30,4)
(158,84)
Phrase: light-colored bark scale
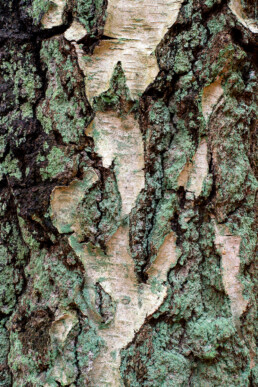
(119,140)
(228,246)
(137,29)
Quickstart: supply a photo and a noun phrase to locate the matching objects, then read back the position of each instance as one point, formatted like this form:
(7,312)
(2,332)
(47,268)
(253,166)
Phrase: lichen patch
(64,370)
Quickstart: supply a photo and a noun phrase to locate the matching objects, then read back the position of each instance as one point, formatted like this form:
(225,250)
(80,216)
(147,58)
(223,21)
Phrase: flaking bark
(128,182)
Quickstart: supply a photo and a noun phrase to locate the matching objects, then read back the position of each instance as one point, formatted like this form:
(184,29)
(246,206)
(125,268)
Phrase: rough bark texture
(128,180)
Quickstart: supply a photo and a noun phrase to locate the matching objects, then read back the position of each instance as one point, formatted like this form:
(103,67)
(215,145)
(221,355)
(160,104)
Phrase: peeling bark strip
(115,271)
(118,139)
(229,246)
(135,28)
(128,175)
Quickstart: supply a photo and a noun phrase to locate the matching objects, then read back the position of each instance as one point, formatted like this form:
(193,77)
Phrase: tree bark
(128,182)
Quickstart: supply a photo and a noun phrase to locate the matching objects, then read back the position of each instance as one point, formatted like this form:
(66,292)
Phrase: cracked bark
(128,181)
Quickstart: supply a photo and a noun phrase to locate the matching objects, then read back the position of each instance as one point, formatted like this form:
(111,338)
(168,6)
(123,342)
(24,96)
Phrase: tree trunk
(128,193)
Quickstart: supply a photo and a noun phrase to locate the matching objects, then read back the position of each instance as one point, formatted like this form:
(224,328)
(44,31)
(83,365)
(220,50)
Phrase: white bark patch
(139,65)
(62,326)
(115,272)
(237,9)
(54,16)
(194,174)
(184,175)
(120,140)
(229,245)
(75,32)
(166,257)
(137,27)
(210,97)
(134,301)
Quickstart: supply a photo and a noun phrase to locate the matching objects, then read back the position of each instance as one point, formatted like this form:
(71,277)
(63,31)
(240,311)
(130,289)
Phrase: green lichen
(118,94)
(69,282)
(58,161)
(8,278)
(11,167)
(13,254)
(89,346)
(20,363)
(110,207)
(182,63)
(206,336)
(39,8)
(5,377)
(23,73)
(216,24)
(181,152)
(67,113)
(88,215)
(162,366)
(91,14)
(192,338)
(161,226)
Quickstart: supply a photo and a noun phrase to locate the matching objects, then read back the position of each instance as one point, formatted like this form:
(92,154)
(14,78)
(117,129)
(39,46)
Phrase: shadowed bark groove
(127,196)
